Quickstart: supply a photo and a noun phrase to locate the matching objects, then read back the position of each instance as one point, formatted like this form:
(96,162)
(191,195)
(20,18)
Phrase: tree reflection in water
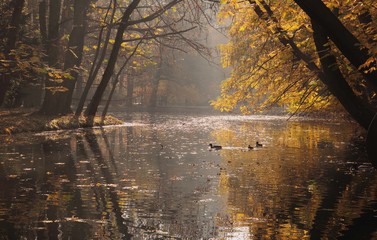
(118,183)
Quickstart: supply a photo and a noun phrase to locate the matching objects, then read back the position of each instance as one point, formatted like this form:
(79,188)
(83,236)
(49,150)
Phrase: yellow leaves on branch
(369,65)
(224,104)
(264,71)
(333,4)
(57,74)
(25,61)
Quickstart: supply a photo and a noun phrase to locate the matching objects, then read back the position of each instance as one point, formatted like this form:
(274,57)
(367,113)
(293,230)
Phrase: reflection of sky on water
(154,177)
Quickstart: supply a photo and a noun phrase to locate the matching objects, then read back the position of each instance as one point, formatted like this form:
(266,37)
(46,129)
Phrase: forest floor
(25,120)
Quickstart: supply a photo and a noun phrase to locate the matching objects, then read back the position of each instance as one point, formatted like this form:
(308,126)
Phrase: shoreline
(20,120)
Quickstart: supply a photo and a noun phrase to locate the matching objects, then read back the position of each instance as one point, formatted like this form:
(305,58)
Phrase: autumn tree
(355,51)
(302,61)
(20,55)
(283,63)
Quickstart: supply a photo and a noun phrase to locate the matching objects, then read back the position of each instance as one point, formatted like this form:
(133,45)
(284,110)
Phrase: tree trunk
(79,87)
(337,84)
(115,82)
(330,76)
(12,37)
(67,17)
(43,22)
(97,62)
(51,104)
(73,57)
(130,91)
(4,86)
(74,53)
(14,26)
(155,83)
(53,40)
(94,103)
(110,97)
(107,105)
(346,42)
(89,82)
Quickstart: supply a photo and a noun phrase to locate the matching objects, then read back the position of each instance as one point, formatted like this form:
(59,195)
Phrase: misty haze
(194,119)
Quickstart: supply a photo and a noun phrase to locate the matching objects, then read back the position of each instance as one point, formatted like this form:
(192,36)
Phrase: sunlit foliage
(266,74)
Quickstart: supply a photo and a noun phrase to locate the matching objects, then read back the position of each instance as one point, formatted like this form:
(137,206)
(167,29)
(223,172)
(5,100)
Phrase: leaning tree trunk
(89,82)
(337,84)
(98,59)
(352,50)
(94,103)
(330,76)
(346,42)
(115,82)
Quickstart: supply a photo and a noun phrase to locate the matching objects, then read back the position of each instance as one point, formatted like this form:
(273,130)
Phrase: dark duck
(214,147)
(257,144)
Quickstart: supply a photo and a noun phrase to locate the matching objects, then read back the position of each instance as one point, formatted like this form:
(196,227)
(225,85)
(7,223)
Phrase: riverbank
(23,120)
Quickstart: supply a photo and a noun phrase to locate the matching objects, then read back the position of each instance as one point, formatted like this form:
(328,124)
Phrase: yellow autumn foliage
(265,73)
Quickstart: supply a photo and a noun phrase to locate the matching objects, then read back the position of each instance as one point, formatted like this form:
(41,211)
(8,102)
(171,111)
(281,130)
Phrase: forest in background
(296,55)
(68,56)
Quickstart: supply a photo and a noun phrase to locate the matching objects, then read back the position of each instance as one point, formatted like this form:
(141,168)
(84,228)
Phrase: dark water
(154,178)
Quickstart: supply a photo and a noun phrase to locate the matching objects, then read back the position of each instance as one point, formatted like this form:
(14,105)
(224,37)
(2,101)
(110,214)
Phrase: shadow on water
(154,178)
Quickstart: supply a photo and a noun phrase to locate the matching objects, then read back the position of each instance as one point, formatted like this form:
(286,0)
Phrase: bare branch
(155,14)
(158,35)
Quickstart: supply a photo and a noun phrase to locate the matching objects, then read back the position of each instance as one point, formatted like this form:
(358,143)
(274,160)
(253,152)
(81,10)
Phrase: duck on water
(214,147)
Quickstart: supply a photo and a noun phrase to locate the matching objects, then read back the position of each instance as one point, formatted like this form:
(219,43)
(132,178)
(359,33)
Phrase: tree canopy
(277,58)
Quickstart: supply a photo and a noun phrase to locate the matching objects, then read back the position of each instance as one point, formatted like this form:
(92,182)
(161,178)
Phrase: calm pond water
(154,178)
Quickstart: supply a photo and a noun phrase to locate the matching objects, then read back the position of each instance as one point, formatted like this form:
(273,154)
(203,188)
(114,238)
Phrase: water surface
(154,178)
